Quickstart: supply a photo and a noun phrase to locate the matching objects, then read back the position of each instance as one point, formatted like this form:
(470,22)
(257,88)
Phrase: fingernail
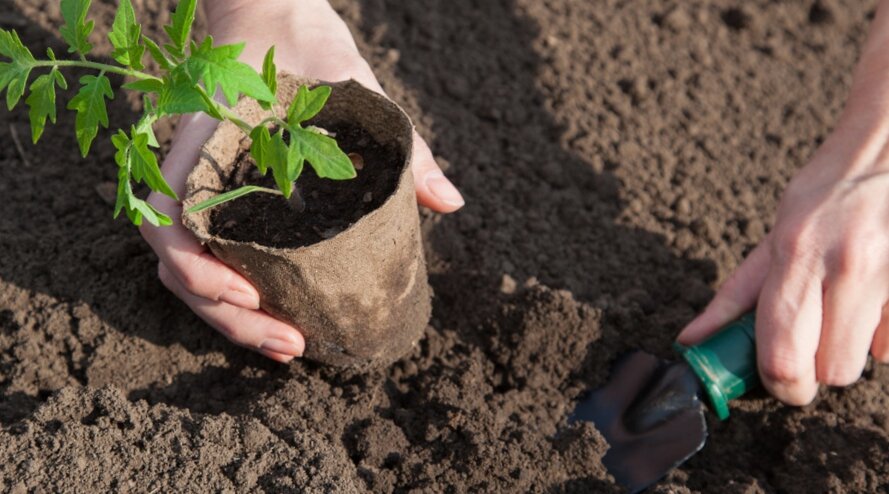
(240,299)
(282,346)
(443,189)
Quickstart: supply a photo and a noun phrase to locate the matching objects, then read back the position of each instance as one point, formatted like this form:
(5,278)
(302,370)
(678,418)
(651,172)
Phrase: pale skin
(819,280)
(311,40)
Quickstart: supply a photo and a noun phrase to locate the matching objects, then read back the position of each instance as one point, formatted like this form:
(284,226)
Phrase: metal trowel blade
(652,416)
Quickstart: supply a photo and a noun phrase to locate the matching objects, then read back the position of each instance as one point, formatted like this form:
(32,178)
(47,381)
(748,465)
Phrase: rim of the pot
(200,228)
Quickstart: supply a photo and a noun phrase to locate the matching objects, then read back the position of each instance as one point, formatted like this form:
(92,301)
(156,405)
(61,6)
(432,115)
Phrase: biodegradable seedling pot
(361,297)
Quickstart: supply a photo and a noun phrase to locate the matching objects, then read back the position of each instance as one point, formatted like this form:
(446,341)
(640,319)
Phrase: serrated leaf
(144,167)
(125,35)
(259,148)
(42,103)
(157,54)
(144,125)
(225,197)
(323,153)
(145,85)
(130,160)
(76,30)
(307,104)
(14,74)
(180,27)
(90,106)
(269,75)
(277,161)
(218,67)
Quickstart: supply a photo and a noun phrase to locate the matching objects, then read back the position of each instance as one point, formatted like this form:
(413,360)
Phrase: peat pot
(349,268)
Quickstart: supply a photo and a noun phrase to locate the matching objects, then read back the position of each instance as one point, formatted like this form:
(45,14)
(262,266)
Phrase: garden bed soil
(618,159)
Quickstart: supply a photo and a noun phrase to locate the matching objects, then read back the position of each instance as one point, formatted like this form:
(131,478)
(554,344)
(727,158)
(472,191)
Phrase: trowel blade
(651,414)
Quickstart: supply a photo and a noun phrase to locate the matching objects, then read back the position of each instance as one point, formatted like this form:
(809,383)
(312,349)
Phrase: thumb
(737,295)
(434,190)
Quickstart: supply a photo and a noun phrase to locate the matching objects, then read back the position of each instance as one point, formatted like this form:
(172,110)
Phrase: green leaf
(143,126)
(145,85)
(277,161)
(225,197)
(295,161)
(90,105)
(76,30)
(323,153)
(179,95)
(218,67)
(259,148)
(307,104)
(130,159)
(157,54)
(60,79)
(125,35)
(14,74)
(180,27)
(269,75)
(42,103)
(144,167)
(150,214)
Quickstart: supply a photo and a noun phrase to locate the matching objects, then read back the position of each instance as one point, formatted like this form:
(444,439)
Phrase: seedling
(190,73)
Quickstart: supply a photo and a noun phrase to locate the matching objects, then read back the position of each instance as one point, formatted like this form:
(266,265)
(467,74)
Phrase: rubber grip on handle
(725,363)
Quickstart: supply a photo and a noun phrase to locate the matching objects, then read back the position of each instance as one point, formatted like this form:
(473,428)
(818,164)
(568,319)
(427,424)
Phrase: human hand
(820,278)
(311,40)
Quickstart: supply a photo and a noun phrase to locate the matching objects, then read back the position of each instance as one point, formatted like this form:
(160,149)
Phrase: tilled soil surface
(618,159)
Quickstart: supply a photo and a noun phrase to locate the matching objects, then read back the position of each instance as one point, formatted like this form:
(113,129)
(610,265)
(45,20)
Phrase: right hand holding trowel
(820,278)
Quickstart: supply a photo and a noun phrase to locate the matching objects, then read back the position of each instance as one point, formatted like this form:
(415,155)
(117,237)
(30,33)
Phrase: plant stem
(234,117)
(95,65)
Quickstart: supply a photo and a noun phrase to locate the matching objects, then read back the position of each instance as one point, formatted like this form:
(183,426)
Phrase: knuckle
(164,275)
(193,276)
(850,260)
(833,375)
(782,369)
(236,333)
(792,244)
(881,355)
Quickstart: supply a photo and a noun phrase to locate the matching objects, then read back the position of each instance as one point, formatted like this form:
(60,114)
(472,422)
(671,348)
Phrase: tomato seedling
(190,74)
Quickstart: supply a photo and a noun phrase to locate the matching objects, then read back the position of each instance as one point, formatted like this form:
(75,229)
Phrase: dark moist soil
(619,158)
(328,206)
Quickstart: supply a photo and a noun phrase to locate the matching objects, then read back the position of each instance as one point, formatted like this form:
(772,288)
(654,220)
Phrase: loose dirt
(618,159)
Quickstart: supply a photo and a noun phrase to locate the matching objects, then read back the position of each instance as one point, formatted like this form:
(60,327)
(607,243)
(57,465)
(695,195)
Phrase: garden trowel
(651,411)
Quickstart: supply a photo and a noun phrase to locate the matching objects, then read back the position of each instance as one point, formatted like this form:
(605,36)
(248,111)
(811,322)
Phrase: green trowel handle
(725,363)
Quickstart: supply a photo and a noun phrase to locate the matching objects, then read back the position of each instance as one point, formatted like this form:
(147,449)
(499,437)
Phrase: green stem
(95,65)
(234,117)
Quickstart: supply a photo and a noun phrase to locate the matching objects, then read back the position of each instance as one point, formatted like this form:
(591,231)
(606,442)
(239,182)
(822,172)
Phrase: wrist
(294,24)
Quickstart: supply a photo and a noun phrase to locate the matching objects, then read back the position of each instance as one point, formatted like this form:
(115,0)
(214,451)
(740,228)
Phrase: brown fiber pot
(361,298)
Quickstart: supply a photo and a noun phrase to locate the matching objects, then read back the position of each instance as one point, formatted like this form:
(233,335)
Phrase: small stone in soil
(507,284)
(107,191)
(357,161)
(368,196)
